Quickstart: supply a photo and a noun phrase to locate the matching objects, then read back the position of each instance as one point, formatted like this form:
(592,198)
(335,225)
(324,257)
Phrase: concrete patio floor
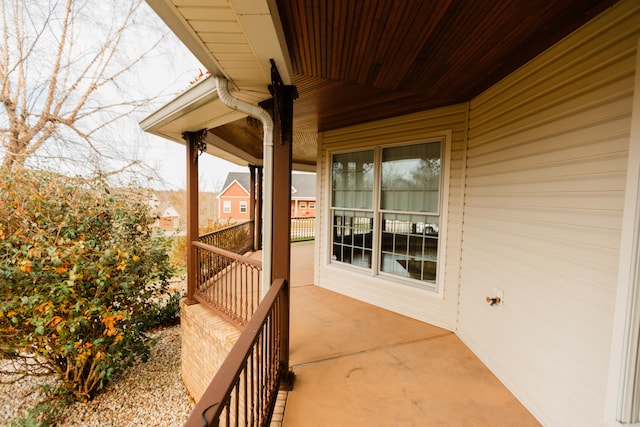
(360,365)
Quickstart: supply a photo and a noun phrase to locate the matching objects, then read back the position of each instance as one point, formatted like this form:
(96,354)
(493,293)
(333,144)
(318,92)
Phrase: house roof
(242,178)
(303,184)
(352,62)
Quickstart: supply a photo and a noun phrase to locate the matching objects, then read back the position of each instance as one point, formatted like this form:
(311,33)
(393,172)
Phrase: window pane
(353,180)
(409,246)
(352,237)
(411,178)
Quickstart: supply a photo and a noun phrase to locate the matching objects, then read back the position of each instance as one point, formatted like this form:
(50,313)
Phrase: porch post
(252,205)
(283,97)
(194,144)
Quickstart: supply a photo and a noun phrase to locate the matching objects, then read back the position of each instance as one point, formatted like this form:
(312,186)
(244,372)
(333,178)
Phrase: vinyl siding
(424,305)
(545,181)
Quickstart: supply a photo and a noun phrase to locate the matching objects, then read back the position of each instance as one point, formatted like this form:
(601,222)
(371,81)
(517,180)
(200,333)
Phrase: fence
(303,228)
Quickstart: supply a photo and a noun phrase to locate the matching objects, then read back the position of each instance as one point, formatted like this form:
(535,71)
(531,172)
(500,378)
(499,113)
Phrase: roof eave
(189,111)
(183,104)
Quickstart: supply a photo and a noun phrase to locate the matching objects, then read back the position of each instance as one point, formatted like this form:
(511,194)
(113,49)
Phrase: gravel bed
(148,394)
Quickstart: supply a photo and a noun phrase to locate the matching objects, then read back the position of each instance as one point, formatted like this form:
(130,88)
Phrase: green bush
(166,312)
(79,274)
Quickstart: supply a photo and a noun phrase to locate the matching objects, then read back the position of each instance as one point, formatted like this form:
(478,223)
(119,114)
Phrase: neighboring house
(165,211)
(162,207)
(169,209)
(169,218)
(303,195)
(234,199)
(501,139)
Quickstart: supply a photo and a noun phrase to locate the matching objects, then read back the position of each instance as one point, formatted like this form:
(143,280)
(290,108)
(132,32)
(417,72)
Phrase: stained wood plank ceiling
(356,61)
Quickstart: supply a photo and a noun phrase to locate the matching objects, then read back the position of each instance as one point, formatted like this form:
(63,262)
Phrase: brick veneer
(206,341)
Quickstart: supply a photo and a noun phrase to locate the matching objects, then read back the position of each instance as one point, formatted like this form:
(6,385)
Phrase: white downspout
(267,125)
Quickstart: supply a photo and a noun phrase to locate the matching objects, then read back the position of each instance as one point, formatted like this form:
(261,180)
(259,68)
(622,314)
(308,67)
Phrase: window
(312,205)
(303,205)
(352,208)
(386,210)
(243,207)
(226,206)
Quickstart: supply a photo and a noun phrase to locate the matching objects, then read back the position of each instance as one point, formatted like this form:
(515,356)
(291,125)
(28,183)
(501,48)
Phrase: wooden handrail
(228,254)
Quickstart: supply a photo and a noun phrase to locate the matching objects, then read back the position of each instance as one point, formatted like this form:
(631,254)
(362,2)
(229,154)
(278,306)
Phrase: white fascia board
(196,96)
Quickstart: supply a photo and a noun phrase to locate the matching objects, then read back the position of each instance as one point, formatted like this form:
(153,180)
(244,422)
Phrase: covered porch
(520,126)
(357,364)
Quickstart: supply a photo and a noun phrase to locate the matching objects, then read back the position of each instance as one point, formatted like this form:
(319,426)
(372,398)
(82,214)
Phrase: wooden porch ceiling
(357,61)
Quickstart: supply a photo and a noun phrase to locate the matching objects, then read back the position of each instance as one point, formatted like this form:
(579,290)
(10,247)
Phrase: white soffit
(233,38)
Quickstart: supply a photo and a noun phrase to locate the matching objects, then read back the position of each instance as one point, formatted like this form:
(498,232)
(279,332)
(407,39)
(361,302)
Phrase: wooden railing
(227,283)
(244,391)
(303,228)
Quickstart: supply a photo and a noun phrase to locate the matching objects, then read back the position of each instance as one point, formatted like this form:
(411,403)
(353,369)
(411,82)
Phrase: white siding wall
(442,309)
(545,180)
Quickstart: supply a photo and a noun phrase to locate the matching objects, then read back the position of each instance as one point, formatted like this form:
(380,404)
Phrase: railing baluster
(237,404)
(245,395)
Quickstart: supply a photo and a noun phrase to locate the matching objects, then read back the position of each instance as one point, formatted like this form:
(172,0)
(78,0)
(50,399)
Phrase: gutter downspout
(267,125)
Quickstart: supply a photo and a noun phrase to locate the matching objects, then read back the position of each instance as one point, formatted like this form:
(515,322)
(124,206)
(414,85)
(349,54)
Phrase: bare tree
(61,62)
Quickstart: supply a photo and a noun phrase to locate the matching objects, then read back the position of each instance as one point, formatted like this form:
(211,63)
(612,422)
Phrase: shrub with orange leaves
(80,271)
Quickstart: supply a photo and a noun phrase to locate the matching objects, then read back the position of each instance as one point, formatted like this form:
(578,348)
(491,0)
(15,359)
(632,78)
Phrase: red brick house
(233,200)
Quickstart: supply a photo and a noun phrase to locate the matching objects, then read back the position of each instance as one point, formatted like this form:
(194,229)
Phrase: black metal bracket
(198,138)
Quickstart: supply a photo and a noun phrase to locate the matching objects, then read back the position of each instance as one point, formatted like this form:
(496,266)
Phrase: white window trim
(244,205)
(226,206)
(437,290)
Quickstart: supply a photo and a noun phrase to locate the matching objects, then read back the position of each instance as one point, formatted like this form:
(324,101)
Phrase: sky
(167,69)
